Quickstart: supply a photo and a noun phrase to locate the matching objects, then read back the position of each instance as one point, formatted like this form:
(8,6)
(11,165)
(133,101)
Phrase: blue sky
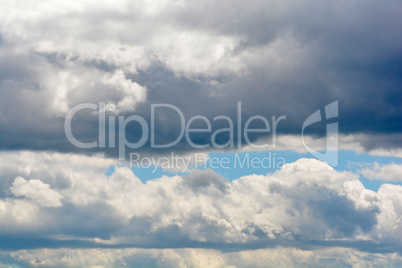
(351,161)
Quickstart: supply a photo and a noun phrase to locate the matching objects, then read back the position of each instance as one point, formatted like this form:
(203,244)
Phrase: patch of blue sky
(353,162)
(110,171)
(235,165)
(152,172)
(144,173)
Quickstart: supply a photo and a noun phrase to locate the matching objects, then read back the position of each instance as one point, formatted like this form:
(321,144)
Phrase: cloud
(187,257)
(390,217)
(36,191)
(19,215)
(362,143)
(389,172)
(273,57)
(306,201)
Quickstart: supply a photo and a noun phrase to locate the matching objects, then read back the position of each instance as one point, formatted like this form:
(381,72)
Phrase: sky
(173,133)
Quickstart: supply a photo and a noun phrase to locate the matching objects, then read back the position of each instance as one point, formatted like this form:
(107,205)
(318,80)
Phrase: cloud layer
(305,202)
(277,58)
(206,258)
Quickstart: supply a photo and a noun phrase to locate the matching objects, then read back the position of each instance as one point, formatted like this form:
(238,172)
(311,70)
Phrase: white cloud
(306,200)
(96,34)
(390,218)
(132,92)
(18,215)
(387,172)
(37,191)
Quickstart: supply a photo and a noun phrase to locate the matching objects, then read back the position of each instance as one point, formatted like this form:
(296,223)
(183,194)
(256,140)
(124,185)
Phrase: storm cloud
(276,58)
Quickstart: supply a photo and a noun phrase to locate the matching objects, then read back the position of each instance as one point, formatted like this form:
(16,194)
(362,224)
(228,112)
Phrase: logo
(106,113)
(331,148)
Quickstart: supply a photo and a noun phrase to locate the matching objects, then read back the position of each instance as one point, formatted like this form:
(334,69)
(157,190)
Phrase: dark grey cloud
(286,58)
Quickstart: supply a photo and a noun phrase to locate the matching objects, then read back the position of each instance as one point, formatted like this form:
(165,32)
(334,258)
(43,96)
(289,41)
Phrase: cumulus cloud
(389,172)
(18,215)
(390,218)
(305,201)
(36,191)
